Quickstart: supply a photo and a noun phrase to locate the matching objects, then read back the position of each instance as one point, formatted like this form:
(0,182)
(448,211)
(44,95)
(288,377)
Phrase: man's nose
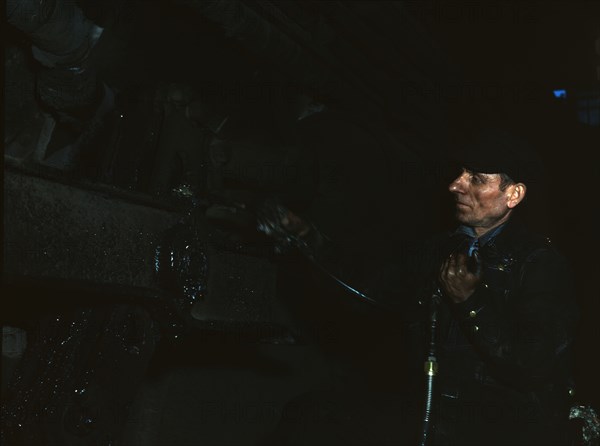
(458,185)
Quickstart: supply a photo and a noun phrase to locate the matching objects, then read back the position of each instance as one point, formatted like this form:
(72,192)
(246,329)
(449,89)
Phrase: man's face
(479,201)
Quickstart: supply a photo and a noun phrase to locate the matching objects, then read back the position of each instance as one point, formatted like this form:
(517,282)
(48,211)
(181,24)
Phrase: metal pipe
(62,39)
(61,34)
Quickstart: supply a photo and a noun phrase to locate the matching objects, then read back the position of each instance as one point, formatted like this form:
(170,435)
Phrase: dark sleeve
(528,339)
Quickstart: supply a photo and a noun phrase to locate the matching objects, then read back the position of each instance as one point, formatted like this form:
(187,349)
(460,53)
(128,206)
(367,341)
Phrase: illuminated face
(480,203)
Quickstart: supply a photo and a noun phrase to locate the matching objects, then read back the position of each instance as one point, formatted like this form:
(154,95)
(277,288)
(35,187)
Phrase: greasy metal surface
(78,377)
(52,230)
(181,261)
(59,232)
(247,282)
(215,277)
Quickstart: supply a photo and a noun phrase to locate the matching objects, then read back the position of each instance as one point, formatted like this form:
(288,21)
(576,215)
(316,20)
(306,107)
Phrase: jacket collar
(485,238)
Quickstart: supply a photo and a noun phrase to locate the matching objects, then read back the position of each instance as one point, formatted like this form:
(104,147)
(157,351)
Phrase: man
(509,317)
(506,316)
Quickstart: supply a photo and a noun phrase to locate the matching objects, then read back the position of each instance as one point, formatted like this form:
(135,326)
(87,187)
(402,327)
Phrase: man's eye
(476,179)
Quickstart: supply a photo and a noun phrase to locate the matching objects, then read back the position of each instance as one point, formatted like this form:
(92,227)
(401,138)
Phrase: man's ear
(516,194)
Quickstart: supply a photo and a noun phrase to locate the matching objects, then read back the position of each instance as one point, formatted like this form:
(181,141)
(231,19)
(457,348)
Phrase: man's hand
(459,278)
(294,224)
(278,222)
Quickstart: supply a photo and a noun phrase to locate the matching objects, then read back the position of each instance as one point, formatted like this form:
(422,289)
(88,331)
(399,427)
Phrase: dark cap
(493,150)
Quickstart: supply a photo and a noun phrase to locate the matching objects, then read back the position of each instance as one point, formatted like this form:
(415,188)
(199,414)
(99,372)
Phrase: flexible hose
(431,368)
(352,290)
(428,410)
(431,364)
(303,248)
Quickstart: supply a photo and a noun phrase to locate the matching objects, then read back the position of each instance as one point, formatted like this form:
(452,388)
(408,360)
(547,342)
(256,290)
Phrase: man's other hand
(459,277)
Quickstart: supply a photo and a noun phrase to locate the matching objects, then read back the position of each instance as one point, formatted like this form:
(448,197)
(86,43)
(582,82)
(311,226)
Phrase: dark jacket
(504,354)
